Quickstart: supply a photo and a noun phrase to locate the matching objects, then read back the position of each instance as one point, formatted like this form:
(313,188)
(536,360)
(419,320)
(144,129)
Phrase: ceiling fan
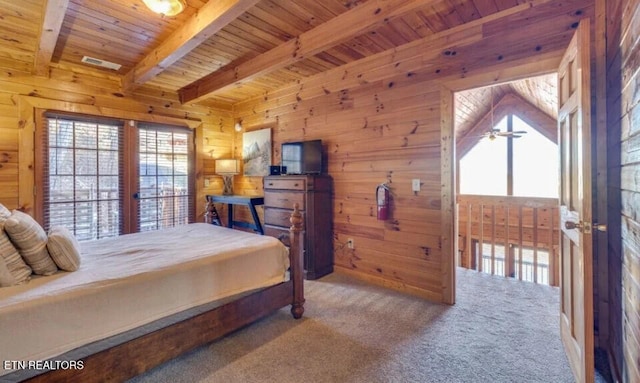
(494,133)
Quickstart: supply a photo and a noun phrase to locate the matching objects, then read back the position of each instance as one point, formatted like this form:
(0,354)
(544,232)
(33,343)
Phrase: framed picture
(256,152)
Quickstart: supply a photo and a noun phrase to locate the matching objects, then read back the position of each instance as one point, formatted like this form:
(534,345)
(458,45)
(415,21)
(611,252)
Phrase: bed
(120,320)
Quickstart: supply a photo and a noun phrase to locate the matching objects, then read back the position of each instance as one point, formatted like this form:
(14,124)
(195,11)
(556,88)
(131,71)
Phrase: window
(483,170)
(526,166)
(165,193)
(535,163)
(83,177)
(86,161)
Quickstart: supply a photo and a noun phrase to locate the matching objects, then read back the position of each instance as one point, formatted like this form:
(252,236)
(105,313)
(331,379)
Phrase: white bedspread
(132,280)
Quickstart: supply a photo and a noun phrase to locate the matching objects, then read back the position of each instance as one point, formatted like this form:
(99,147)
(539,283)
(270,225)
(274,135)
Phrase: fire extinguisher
(382,198)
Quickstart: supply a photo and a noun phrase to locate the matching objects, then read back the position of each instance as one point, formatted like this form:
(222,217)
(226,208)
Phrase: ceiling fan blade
(520,132)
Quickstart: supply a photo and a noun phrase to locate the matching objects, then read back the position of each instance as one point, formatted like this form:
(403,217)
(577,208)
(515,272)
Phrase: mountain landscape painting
(256,152)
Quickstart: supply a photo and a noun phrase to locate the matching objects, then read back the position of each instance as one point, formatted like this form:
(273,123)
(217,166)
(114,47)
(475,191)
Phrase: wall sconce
(227,168)
(165,7)
(238,126)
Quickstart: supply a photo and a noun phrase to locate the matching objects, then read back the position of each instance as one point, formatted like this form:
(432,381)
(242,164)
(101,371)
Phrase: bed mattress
(130,281)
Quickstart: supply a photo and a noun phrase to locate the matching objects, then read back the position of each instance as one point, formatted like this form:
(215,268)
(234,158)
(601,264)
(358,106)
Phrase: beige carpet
(500,330)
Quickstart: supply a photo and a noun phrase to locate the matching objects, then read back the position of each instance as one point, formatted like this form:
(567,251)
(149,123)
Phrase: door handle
(585,227)
(569,225)
(600,227)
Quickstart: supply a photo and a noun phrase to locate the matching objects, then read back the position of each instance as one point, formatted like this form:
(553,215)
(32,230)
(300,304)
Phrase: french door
(102,178)
(165,191)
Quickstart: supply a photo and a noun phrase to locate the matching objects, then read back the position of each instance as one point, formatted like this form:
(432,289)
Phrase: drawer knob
(270,183)
(295,184)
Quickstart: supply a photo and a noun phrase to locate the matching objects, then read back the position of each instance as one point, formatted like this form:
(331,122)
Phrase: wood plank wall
(623,108)
(371,134)
(379,120)
(85,91)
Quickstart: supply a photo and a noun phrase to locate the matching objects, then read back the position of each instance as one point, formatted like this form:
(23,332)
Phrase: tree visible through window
(165,194)
(82,177)
(84,166)
(533,163)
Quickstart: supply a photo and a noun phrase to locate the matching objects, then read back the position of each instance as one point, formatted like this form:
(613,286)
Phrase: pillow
(31,241)
(10,257)
(4,213)
(6,279)
(64,248)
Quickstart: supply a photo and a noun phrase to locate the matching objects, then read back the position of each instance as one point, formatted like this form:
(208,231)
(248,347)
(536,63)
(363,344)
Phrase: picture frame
(256,152)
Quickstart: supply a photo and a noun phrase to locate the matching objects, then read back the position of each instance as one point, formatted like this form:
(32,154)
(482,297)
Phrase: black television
(304,157)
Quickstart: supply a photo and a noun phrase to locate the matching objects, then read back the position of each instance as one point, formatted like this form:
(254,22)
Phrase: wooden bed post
(296,233)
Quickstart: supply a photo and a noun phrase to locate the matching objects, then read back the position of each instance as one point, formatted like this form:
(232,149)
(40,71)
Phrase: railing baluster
(468,238)
(535,244)
(480,242)
(553,280)
(508,257)
(493,239)
(520,233)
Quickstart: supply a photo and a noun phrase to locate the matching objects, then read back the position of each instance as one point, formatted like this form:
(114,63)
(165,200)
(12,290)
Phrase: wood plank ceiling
(175,53)
(471,105)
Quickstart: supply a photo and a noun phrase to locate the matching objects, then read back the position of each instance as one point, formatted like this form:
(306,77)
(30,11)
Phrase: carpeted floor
(500,330)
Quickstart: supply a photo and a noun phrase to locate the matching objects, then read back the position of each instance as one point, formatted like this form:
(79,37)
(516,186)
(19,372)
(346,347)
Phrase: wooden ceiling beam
(483,125)
(206,22)
(327,35)
(535,117)
(455,55)
(53,17)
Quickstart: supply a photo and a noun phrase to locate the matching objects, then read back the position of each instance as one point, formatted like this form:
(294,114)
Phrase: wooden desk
(249,202)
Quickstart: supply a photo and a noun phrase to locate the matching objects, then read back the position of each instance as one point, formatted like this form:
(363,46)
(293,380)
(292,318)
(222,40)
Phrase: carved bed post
(296,234)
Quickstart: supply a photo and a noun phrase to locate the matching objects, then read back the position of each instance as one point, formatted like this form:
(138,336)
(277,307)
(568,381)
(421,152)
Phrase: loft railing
(509,236)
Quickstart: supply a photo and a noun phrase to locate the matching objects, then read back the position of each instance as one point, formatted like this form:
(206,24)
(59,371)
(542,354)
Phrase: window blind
(166,191)
(83,177)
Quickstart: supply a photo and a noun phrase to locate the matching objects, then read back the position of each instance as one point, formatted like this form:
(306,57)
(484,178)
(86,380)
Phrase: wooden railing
(510,236)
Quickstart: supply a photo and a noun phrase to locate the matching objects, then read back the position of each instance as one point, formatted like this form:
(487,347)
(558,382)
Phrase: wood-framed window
(166,191)
(105,177)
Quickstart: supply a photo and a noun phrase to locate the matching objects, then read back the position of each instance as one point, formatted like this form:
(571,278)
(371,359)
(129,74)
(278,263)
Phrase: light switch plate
(415,184)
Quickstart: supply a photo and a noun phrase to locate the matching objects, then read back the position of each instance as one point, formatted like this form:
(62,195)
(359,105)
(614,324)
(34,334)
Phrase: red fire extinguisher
(382,198)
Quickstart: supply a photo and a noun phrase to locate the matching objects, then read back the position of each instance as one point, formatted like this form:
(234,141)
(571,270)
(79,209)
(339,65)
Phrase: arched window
(526,166)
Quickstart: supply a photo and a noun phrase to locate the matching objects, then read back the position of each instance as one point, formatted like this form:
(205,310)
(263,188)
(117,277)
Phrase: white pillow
(4,213)
(31,241)
(64,248)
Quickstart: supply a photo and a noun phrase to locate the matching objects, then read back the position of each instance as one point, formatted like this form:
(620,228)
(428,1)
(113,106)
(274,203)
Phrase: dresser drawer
(278,217)
(284,183)
(284,200)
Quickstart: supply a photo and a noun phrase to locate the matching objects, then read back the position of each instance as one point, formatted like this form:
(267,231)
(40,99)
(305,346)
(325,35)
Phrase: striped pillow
(6,278)
(31,241)
(10,257)
(64,248)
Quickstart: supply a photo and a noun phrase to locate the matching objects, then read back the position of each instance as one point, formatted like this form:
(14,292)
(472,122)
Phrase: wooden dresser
(313,194)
